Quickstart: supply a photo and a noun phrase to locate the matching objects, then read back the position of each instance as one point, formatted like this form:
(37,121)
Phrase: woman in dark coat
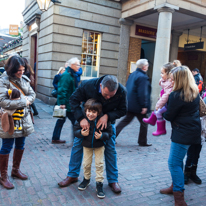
(183,113)
(57,77)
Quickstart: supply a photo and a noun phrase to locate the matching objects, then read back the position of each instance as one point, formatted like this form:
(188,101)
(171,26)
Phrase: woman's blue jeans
(175,162)
(110,158)
(7,144)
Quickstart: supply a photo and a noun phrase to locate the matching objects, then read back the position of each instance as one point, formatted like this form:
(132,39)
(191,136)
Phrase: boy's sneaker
(99,188)
(84,184)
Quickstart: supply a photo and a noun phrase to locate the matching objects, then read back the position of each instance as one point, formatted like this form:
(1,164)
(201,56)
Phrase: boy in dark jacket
(93,140)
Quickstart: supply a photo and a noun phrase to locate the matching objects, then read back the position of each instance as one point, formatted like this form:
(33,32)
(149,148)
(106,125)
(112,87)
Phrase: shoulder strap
(17,88)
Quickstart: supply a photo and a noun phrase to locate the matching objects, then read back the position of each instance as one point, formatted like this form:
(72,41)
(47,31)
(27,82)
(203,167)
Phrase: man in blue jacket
(112,96)
(138,97)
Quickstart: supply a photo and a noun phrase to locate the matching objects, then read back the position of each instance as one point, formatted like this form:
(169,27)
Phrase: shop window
(90,54)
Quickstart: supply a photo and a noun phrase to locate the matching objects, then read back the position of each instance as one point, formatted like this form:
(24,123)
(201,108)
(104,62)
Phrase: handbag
(58,112)
(54,93)
(202,107)
(31,114)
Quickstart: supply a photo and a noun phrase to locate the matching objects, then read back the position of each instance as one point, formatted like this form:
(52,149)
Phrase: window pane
(90,37)
(83,70)
(95,49)
(96,38)
(88,71)
(85,36)
(94,61)
(94,71)
(83,61)
(89,60)
(90,48)
(84,47)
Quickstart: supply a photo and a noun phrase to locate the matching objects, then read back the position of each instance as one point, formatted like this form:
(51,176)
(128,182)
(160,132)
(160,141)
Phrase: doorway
(147,52)
(33,56)
(193,59)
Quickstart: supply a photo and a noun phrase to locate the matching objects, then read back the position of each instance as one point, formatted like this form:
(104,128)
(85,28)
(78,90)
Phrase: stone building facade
(109,36)
(58,35)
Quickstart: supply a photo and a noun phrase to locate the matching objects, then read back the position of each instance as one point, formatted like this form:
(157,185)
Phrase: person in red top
(198,79)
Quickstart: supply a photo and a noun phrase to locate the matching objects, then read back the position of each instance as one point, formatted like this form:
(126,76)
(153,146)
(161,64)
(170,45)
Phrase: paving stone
(143,171)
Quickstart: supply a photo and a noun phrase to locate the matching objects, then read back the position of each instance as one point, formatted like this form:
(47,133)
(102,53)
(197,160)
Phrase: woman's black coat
(56,80)
(184,118)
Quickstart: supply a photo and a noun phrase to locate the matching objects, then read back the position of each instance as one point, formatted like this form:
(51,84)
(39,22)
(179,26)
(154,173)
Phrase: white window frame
(98,55)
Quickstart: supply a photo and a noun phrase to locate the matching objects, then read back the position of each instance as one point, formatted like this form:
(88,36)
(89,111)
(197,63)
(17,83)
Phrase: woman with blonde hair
(177,63)
(183,113)
(57,77)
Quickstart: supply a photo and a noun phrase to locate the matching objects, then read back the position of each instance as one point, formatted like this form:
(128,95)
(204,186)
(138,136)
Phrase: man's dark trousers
(59,124)
(143,126)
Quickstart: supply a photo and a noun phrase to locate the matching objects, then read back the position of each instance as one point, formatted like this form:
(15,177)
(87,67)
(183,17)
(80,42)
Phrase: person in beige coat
(13,78)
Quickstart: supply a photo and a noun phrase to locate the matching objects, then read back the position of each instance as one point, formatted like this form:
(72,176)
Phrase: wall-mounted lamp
(44,4)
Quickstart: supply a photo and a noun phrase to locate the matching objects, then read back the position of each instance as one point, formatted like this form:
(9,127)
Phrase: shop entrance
(147,52)
(193,59)
(33,56)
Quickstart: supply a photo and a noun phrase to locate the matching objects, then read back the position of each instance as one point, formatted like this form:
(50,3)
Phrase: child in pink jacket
(161,106)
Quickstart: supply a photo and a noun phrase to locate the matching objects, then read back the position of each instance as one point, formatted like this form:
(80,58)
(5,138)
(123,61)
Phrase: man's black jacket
(115,107)
(138,91)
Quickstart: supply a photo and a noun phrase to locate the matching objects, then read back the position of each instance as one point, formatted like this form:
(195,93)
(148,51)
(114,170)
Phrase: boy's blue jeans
(175,162)
(7,144)
(110,158)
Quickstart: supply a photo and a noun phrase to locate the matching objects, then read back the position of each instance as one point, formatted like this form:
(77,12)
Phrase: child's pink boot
(160,128)
(151,120)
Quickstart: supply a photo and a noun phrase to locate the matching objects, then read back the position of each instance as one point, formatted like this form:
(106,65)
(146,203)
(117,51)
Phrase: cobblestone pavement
(143,171)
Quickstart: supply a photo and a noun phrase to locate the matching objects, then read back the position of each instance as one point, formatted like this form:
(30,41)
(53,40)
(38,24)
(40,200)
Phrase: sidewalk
(143,171)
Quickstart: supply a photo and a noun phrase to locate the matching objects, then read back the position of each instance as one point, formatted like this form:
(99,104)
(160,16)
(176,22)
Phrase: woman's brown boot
(4,179)
(168,190)
(18,153)
(179,199)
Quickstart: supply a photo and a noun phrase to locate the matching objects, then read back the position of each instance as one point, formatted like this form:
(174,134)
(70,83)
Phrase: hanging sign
(145,31)
(13,29)
(194,46)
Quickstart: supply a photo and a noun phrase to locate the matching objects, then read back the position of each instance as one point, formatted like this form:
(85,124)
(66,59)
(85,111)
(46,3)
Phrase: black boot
(194,176)
(33,106)
(187,174)
(99,188)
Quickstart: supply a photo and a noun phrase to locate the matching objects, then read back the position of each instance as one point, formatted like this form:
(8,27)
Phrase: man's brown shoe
(58,141)
(115,187)
(168,190)
(66,182)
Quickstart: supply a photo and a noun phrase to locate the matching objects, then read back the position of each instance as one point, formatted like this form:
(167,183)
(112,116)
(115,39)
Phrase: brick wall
(134,52)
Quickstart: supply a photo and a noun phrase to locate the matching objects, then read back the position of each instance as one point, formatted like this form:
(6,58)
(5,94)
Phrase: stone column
(123,49)
(162,49)
(174,45)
